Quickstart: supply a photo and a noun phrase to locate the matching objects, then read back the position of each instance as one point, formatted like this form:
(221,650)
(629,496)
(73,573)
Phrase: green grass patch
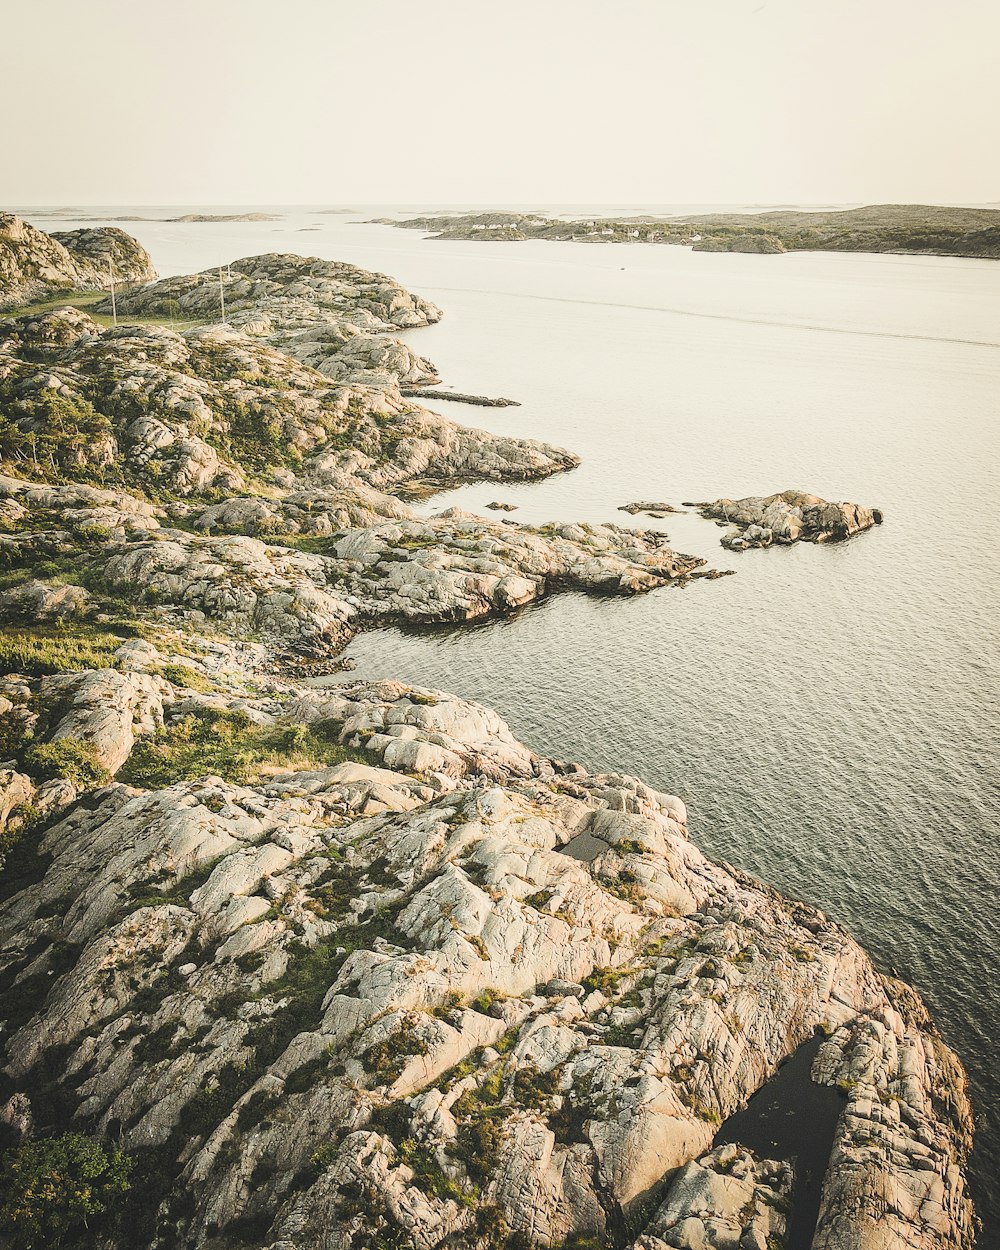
(88,301)
(228,744)
(188,678)
(40,650)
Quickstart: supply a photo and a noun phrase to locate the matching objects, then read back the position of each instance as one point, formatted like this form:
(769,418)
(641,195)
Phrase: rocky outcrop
(758,244)
(727,1198)
(334,317)
(202,217)
(35,265)
(39,601)
(354,967)
(650,507)
(483,401)
(789,517)
(460,993)
(95,248)
(450,567)
(32,263)
(205,410)
(106,709)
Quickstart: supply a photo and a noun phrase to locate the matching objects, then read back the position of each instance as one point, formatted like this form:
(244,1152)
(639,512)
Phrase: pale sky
(246,102)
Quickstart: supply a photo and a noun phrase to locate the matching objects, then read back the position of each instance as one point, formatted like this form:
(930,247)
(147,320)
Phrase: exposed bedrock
(35,265)
(456,993)
(789,517)
(354,967)
(212,410)
(335,317)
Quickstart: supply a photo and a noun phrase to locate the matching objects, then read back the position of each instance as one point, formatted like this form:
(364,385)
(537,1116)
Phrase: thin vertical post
(114,306)
(222,295)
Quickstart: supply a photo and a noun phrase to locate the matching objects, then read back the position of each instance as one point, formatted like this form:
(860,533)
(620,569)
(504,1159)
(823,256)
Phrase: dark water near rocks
(792,1118)
(830,715)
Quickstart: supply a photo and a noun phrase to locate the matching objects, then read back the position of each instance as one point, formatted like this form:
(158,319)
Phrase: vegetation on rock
(52,1190)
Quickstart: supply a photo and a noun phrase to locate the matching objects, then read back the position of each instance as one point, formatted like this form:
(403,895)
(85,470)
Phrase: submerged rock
(483,401)
(789,517)
(651,508)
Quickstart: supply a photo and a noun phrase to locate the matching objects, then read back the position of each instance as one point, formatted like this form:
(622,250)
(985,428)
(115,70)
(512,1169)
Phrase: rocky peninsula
(789,517)
(322,969)
(457,397)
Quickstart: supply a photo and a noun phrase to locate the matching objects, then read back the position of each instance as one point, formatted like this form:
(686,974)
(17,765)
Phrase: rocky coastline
(353,968)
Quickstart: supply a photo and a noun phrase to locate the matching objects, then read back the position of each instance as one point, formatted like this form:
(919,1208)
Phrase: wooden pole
(114,306)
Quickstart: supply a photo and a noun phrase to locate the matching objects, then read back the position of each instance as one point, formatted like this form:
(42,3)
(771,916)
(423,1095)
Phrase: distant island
(185,217)
(921,229)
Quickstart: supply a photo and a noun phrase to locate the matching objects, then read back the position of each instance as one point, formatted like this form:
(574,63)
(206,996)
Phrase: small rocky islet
(791,516)
(353,966)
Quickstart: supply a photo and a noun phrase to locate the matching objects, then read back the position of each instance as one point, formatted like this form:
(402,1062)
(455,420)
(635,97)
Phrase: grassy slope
(88,300)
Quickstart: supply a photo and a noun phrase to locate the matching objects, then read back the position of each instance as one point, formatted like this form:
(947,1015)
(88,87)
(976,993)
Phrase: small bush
(478,1145)
(72,759)
(57,1186)
(484,1003)
(189,678)
(389,1058)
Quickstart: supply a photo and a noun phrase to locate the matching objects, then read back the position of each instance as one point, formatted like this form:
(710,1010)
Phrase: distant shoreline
(898,229)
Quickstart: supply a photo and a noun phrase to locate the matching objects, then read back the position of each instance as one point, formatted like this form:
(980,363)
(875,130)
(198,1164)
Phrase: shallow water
(830,714)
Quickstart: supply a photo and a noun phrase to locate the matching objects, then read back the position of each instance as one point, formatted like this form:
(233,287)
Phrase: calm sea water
(830,715)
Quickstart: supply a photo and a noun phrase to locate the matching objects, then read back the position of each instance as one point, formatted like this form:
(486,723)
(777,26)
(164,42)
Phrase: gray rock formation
(456,994)
(457,397)
(40,601)
(451,567)
(93,248)
(35,265)
(332,316)
(725,1199)
(652,508)
(202,411)
(789,517)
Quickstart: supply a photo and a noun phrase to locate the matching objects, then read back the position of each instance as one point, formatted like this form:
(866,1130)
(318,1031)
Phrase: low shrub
(72,759)
(58,1187)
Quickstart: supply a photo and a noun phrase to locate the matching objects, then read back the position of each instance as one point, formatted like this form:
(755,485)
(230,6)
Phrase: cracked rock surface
(789,517)
(458,992)
(35,265)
